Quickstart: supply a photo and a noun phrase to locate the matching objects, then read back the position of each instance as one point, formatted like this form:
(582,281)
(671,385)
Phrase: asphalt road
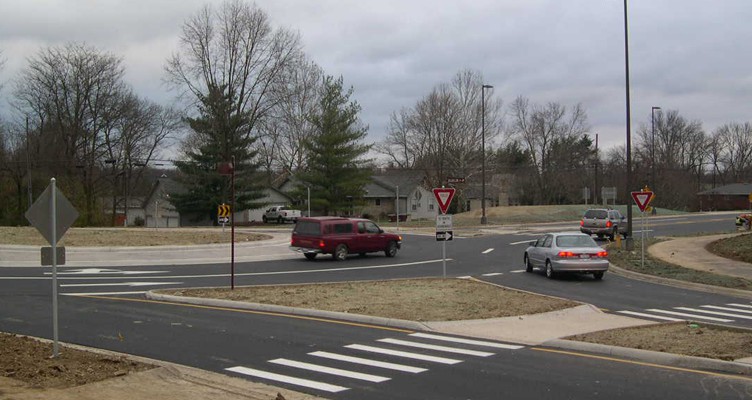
(320,351)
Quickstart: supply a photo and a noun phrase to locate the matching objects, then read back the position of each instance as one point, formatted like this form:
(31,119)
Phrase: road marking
(467,341)
(103,271)
(132,284)
(435,347)
(723,314)
(493,274)
(517,271)
(488,251)
(521,242)
(416,356)
(329,370)
(365,361)
(690,315)
(739,305)
(287,379)
(650,316)
(729,309)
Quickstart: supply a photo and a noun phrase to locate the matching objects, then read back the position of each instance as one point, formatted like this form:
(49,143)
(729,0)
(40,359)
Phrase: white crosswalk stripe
(729,309)
(288,379)
(329,370)
(639,314)
(691,316)
(466,341)
(437,348)
(740,305)
(723,314)
(405,354)
(366,361)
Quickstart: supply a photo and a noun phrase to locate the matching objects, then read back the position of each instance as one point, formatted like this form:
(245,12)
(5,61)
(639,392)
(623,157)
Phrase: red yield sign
(444,197)
(643,198)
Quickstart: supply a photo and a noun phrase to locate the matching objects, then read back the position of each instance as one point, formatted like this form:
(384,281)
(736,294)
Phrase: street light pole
(652,146)
(483,219)
(628,190)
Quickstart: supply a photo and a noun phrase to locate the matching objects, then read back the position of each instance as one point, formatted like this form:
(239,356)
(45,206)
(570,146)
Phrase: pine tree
(220,133)
(336,171)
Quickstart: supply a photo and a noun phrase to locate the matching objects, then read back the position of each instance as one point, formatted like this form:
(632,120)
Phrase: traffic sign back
(40,214)
(444,197)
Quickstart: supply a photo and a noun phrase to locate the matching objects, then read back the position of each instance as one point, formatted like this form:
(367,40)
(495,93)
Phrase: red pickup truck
(340,236)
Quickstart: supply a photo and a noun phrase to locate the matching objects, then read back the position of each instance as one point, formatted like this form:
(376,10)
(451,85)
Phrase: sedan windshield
(575,241)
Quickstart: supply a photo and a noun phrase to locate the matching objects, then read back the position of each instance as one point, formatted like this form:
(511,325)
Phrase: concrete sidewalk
(691,252)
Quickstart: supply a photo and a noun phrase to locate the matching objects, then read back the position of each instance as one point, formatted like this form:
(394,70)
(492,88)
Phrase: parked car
(566,252)
(341,236)
(603,222)
(280,214)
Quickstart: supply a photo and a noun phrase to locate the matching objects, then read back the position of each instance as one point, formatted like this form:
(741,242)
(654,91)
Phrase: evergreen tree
(220,133)
(336,171)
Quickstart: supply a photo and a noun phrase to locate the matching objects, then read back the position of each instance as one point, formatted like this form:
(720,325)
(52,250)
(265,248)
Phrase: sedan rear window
(575,241)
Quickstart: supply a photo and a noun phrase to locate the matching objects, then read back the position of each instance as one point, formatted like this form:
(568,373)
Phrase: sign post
(643,199)
(52,214)
(444,197)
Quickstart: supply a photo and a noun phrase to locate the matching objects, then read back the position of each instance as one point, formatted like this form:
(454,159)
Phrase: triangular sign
(444,197)
(642,199)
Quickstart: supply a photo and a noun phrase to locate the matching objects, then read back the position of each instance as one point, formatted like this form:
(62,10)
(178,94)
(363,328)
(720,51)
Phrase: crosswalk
(726,313)
(373,362)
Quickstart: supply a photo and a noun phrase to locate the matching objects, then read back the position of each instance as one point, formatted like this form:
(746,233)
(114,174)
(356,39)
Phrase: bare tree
(234,47)
(734,158)
(554,139)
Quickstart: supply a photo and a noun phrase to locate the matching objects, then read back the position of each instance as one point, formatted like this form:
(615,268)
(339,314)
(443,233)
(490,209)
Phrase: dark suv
(341,236)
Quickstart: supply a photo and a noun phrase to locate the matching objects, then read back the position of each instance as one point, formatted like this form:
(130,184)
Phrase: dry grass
(120,237)
(409,299)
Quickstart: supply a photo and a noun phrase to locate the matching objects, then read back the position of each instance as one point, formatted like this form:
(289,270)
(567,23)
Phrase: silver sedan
(566,252)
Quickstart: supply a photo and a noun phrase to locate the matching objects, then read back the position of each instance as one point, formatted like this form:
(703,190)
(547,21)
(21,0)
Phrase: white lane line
(690,315)
(517,271)
(287,379)
(365,361)
(100,293)
(437,348)
(729,309)
(516,243)
(739,305)
(488,251)
(493,274)
(416,356)
(637,314)
(328,370)
(467,341)
(120,284)
(723,314)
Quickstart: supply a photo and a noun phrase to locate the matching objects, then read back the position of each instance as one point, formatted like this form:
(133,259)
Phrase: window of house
(378,202)
(430,206)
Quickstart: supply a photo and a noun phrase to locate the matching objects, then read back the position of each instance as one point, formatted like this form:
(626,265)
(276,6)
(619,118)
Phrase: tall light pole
(483,219)
(652,146)
(629,134)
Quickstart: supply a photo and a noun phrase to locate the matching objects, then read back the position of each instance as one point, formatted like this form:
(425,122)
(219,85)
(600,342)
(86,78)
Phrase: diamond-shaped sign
(642,199)
(444,198)
(40,214)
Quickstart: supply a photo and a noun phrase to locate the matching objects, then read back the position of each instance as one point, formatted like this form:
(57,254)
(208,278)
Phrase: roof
(735,189)
(388,184)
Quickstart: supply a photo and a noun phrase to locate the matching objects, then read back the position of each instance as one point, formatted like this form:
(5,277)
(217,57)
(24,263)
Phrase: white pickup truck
(280,214)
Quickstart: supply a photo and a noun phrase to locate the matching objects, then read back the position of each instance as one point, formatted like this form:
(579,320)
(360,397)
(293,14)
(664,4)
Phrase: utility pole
(597,161)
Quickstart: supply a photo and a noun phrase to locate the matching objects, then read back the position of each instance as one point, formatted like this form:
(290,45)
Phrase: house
(399,191)
(271,196)
(730,197)
(159,211)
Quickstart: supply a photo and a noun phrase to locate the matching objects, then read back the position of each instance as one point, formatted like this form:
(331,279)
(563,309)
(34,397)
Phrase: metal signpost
(643,199)
(52,214)
(443,222)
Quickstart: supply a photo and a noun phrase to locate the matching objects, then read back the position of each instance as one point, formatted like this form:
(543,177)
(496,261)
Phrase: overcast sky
(687,55)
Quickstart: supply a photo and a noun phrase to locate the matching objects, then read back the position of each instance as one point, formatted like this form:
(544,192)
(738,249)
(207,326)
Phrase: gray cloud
(687,55)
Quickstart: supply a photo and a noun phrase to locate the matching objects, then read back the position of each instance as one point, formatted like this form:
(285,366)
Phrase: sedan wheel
(391,249)
(340,253)
(528,264)
(598,275)
(310,256)
(550,273)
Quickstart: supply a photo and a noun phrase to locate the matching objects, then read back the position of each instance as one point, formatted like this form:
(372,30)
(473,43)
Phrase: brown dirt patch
(409,299)
(126,237)
(29,360)
(690,339)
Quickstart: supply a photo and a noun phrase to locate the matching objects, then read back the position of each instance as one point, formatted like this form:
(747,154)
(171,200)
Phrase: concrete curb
(306,312)
(655,357)
(680,284)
